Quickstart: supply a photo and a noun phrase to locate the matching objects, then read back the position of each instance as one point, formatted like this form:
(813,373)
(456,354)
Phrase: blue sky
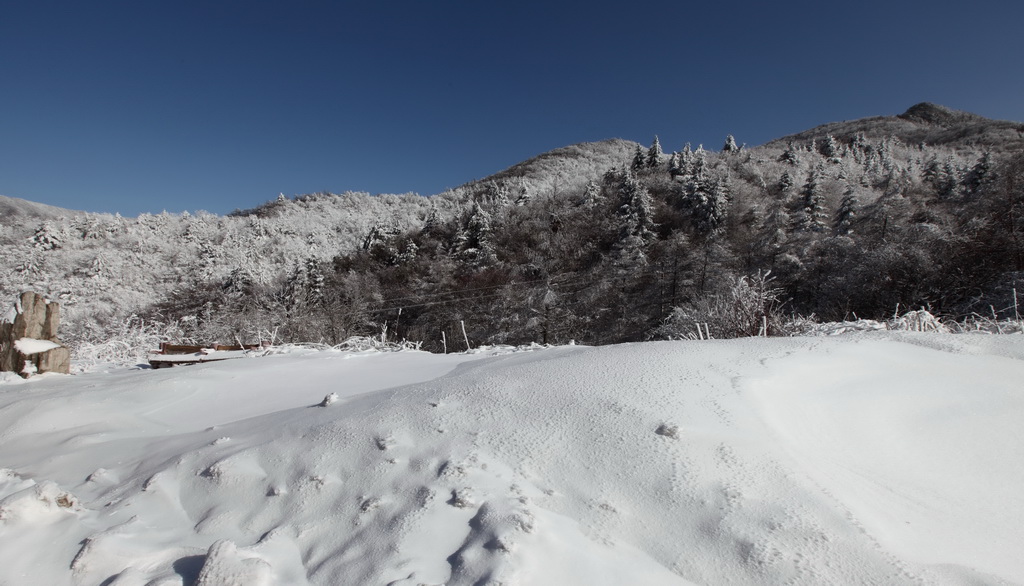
(147,106)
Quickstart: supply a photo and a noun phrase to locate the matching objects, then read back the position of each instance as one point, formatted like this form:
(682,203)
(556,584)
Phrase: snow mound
(882,458)
(37,503)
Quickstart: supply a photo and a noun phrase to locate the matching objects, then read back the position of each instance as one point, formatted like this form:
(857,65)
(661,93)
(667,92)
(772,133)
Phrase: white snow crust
(29,346)
(874,458)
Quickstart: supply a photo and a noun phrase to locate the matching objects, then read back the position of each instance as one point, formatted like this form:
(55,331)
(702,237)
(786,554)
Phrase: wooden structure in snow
(179,354)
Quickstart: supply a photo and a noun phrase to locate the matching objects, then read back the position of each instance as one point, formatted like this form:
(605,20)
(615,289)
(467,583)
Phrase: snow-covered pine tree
(635,224)
(473,241)
(591,194)
(496,193)
(721,197)
(47,238)
(789,155)
(830,149)
(635,208)
(432,221)
(812,200)
(730,145)
(408,252)
(654,154)
(705,198)
(698,162)
(315,282)
(675,168)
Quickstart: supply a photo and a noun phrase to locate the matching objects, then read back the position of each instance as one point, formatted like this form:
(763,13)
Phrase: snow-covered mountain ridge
(13,208)
(875,459)
(926,123)
(854,218)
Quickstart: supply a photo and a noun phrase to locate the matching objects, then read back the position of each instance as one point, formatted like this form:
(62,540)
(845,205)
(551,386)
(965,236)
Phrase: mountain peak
(929,113)
(928,123)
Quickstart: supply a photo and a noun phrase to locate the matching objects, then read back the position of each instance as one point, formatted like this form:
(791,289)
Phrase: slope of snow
(876,459)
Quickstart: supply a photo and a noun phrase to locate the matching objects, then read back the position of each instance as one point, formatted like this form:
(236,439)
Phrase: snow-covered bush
(379,343)
(800,326)
(988,325)
(749,306)
(917,321)
(353,344)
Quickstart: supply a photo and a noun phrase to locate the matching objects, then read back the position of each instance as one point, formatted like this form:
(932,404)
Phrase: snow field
(876,459)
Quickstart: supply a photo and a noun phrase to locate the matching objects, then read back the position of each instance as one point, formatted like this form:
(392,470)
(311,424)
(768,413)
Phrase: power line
(582,283)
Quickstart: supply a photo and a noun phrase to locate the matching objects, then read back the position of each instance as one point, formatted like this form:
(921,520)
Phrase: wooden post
(444,341)
(463,324)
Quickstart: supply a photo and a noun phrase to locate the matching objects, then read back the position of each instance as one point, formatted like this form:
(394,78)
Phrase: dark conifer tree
(930,172)
(846,213)
(639,159)
(789,155)
(830,149)
(785,182)
(949,179)
(979,177)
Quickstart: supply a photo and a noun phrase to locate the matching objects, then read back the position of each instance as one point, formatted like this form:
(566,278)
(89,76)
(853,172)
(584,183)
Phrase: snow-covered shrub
(917,321)
(810,327)
(353,344)
(363,343)
(988,325)
(749,306)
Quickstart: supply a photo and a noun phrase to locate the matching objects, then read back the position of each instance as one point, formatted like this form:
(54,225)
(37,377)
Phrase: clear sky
(144,106)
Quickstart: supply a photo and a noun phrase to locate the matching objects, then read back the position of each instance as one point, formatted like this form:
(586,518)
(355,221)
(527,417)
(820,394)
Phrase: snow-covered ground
(878,458)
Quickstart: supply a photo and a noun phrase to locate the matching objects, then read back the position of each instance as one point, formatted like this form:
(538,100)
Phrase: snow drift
(880,458)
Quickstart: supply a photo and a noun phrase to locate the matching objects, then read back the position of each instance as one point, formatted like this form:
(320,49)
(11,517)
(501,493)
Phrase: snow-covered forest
(598,243)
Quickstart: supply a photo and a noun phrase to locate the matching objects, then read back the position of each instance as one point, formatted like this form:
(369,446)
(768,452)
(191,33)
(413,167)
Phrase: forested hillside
(598,243)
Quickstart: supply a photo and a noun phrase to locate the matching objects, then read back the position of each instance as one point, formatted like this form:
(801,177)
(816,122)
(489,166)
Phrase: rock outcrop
(28,338)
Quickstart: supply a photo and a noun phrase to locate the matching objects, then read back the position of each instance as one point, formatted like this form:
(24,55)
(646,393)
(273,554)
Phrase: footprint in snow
(668,430)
